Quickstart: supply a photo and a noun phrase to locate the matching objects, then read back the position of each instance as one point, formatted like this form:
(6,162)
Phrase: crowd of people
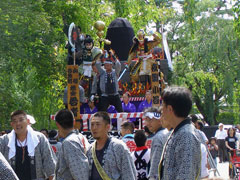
(178,148)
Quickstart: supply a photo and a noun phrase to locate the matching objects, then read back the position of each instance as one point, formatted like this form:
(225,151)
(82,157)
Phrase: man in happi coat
(181,156)
(153,122)
(108,82)
(27,151)
(109,158)
(72,162)
(6,172)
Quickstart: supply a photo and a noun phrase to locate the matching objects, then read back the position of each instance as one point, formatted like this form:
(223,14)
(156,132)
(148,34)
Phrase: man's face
(91,104)
(45,133)
(99,128)
(140,36)
(89,46)
(123,131)
(125,98)
(166,119)
(197,125)
(148,96)
(221,127)
(108,66)
(19,124)
(152,124)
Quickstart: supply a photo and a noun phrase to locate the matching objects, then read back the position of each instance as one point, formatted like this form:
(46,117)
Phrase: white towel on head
(32,142)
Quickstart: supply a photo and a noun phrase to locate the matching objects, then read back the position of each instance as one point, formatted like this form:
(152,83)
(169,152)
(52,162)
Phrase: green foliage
(32,50)
(237,17)
(206,62)
(227,118)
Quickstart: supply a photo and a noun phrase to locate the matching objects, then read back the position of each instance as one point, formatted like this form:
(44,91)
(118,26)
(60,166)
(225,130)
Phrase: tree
(207,58)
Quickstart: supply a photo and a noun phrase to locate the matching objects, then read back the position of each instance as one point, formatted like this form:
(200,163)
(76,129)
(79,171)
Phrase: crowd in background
(170,134)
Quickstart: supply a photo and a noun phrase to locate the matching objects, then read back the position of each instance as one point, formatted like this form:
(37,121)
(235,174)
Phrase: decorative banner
(155,85)
(73,93)
(124,115)
(135,99)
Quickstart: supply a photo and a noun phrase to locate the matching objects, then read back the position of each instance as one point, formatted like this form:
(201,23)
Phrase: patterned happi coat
(117,161)
(44,157)
(72,161)
(6,172)
(158,142)
(181,157)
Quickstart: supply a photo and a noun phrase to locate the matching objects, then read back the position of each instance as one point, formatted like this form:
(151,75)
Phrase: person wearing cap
(72,162)
(152,119)
(27,151)
(181,156)
(221,134)
(108,81)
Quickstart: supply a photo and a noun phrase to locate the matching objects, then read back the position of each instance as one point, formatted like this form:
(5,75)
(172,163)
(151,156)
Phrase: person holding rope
(109,158)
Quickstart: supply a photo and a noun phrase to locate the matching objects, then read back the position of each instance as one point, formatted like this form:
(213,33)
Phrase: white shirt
(204,170)
(146,158)
(237,135)
(221,134)
(203,136)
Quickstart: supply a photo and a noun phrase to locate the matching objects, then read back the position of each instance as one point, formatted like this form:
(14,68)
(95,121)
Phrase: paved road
(222,169)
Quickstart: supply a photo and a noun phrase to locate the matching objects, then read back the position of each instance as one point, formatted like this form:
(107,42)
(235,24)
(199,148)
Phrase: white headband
(151,115)
(107,62)
(31,119)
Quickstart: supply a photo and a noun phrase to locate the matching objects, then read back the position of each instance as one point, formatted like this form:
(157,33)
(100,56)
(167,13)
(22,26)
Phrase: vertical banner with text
(73,93)
(155,86)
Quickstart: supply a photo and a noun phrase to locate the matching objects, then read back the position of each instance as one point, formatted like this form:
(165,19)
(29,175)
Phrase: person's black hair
(213,138)
(44,130)
(17,112)
(148,91)
(52,134)
(193,117)
(88,39)
(65,118)
(128,94)
(179,98)
(200,123)
(234,131)
(147,130)
(152,109)
(128,125)
(140,138)
(104,115)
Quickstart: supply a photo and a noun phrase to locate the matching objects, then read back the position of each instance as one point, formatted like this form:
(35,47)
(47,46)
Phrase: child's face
(213,142)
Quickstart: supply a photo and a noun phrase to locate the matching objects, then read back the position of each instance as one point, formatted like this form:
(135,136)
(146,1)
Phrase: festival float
(145,63)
